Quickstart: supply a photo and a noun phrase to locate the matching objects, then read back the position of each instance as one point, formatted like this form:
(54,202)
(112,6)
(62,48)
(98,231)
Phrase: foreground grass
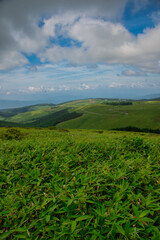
(79,185)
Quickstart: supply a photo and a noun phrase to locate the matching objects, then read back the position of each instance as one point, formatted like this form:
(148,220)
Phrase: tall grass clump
(80,185)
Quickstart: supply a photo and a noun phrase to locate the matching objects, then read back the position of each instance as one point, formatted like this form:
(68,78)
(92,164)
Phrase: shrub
(52,128)
(63,130)
(12,133)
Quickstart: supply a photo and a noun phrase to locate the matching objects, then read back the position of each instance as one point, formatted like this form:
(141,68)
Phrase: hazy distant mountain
(61,98)
(5,104)
(151,96)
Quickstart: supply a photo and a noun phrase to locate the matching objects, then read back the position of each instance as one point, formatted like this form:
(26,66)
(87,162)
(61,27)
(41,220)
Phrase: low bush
(12,133)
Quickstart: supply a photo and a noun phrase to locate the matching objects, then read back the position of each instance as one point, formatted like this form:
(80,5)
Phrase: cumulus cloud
(20,23)
(38,89)
(85,86)
(110,43)
(23,16)
(144,52)
(11,59)
(31,25)
(100,40)
(49,25)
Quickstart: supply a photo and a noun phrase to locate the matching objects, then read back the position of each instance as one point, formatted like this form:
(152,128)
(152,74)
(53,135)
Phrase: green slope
(25,114)
(142,114)
(55,118)
(44,115)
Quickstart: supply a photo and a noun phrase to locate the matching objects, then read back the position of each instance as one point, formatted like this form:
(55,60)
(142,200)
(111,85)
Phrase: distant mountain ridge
(151,96)
(6,104)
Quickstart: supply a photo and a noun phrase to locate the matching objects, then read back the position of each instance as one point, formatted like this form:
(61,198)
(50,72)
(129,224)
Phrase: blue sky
(62,50)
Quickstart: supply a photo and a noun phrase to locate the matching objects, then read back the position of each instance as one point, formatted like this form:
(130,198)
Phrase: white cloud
(49,27)
(10,92)
(51,89)
(19,30)
(110,43)
(38,89)
(127,85)
(52,80)
(85,86)
(11,59)
(57,54)
(76,86)
(34,89)
(133,73)
(102,40)
(30,44)
(116,85)
(64,88)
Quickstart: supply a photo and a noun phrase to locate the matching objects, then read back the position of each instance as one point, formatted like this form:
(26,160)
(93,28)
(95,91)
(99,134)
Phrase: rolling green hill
(87,114)
(141,114)
(43,115)
(24,113)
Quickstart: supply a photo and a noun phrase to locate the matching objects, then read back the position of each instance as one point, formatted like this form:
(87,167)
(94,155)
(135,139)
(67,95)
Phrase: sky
(70,49)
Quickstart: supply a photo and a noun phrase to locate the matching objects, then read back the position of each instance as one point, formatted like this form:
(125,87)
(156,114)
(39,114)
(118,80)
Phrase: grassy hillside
(25,114)
(43,114)
(79,184)
(141,114)
(54,118)
(87,114)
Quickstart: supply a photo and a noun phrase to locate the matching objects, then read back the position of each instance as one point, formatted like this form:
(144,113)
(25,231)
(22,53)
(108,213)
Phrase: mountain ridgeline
(100,114)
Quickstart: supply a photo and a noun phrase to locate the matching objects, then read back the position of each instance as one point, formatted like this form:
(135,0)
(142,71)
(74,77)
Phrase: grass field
(141,114)
(79,184)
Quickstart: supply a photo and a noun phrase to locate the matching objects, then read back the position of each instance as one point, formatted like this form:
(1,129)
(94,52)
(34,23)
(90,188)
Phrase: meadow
(79,184)
(141,114)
